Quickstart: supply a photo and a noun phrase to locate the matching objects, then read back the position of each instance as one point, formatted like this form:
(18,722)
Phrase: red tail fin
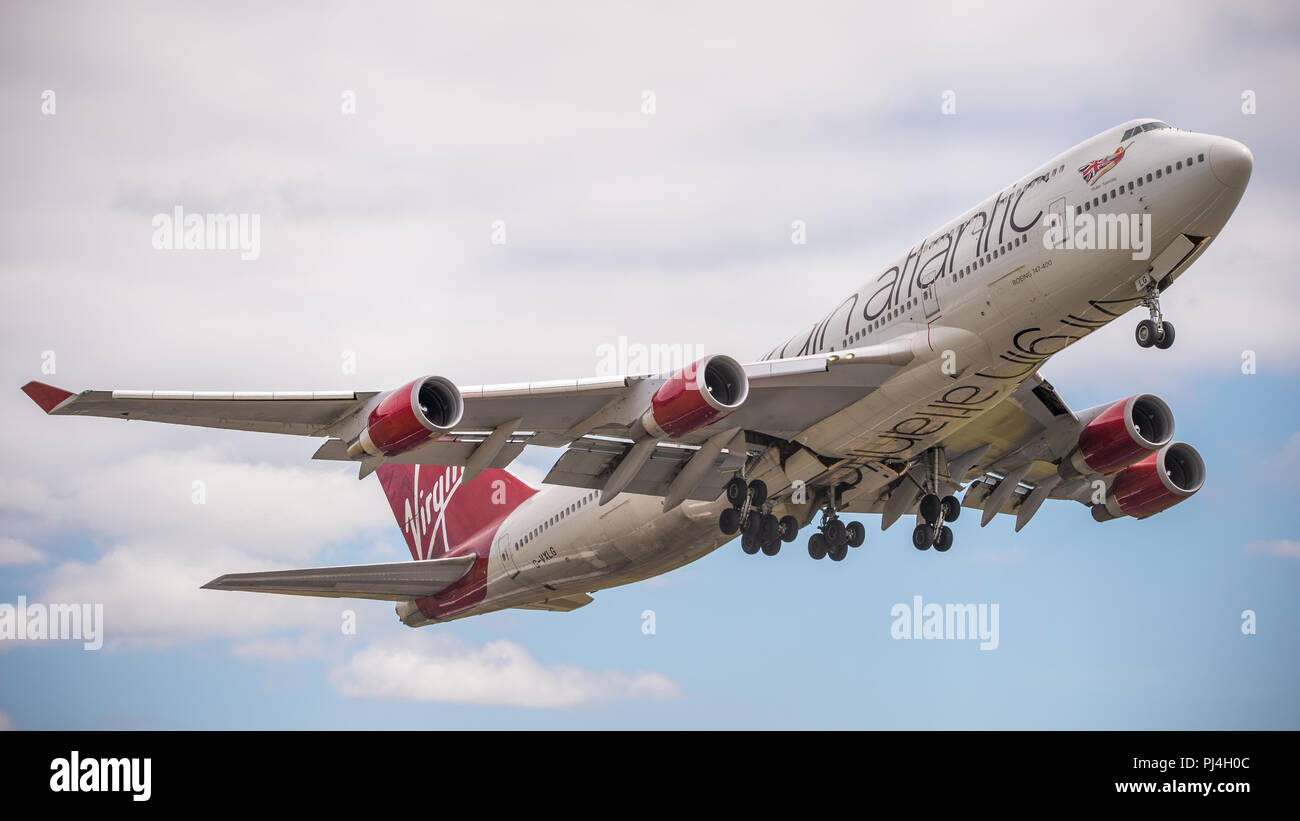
(438,513)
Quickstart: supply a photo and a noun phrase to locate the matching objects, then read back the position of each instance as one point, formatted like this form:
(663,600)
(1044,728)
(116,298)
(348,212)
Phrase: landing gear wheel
(922,536)
(931,507)
(1146,333)
(757,492)
(752,524)
(789,528)
(749,544)
(951,508)
(838,552)
(772,548)
(855,533)
(944,540)
(817,546)
(834,530)
(736,491)
(769,529)
(729,521)
(1166,336)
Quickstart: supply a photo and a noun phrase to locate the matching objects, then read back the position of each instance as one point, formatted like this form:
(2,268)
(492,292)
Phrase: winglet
(47,396)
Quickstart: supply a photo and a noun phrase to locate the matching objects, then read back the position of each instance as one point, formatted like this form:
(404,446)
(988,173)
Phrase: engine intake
(697,395)
(408,417)
(1156,483)
(1120,435)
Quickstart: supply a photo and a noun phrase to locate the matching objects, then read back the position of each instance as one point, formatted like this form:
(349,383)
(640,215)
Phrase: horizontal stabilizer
(558,604)
(395,581)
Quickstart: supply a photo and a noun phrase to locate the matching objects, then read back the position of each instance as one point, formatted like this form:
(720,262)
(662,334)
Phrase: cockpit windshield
(1138,129)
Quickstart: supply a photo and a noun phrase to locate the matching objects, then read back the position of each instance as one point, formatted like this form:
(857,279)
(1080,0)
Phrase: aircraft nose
(1231,162)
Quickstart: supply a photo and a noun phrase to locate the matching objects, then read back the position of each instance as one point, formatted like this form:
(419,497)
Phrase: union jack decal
(1098,168)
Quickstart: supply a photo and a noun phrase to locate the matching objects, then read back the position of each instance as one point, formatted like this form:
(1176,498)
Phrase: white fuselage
(985,287)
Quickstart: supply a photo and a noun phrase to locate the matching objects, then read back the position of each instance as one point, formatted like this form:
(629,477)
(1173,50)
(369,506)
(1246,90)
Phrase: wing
(307,413)
(1007,458)
(395,581)
(785,397)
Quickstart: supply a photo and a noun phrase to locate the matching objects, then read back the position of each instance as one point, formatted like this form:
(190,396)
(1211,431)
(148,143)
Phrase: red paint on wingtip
(47,396)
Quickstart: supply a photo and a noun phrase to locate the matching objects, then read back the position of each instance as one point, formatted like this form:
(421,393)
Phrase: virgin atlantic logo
(426,511)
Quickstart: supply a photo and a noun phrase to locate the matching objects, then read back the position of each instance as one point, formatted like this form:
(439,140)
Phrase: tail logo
(426,511)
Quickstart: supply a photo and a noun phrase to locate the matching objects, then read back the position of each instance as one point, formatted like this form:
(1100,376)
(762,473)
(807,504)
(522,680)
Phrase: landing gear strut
(1154,331)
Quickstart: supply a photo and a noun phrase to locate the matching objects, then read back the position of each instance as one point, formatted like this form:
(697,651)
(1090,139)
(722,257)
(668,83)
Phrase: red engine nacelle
(408,417)
(1157,483)
(695,396)
(1121,435)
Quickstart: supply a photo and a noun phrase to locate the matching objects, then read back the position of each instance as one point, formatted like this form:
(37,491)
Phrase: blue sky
(669,228)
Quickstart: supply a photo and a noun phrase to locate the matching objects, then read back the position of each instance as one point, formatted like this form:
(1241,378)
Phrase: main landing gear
(933,532)
(834,538)
(1154,331)
(750,515)
(935,511)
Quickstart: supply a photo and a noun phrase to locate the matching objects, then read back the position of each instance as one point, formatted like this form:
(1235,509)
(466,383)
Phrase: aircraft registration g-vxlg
(922,382)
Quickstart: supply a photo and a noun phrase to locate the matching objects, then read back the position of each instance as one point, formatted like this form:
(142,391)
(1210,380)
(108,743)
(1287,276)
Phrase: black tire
(930,508)
(834,531)
(856,533)
(769,529)
(838,552)
(757,492)
(772,548)
(736,491)
(951,508)
(789,528)
(944,540)
(817,546)
(922,536)
(1145,333)
(729,521)
(752,523)
(749,544)
(1166,339)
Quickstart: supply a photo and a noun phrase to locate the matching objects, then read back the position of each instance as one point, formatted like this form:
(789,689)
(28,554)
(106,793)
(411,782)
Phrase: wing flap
(394,581)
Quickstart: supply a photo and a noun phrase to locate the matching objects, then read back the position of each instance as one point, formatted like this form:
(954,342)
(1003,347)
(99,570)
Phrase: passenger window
(1103,196)
(1148,178)
(1180,165)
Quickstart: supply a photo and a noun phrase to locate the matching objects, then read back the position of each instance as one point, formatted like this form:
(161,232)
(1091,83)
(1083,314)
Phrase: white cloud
(13,551)
(501,673)
(151,595)
(1283,548)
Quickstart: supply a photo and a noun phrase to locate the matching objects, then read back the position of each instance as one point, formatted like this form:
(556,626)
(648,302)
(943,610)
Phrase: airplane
(922,382)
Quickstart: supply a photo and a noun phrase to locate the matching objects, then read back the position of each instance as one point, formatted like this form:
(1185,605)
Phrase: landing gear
(935,511)
(834,538)
(759,529)
(1154,331)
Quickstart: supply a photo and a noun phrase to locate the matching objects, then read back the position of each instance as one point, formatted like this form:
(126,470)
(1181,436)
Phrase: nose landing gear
(1154,331)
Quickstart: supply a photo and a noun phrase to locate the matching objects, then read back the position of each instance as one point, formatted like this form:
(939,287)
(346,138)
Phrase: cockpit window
(1138,129)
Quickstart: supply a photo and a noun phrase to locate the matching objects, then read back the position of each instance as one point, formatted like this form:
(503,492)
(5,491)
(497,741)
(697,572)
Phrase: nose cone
(1231,162)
